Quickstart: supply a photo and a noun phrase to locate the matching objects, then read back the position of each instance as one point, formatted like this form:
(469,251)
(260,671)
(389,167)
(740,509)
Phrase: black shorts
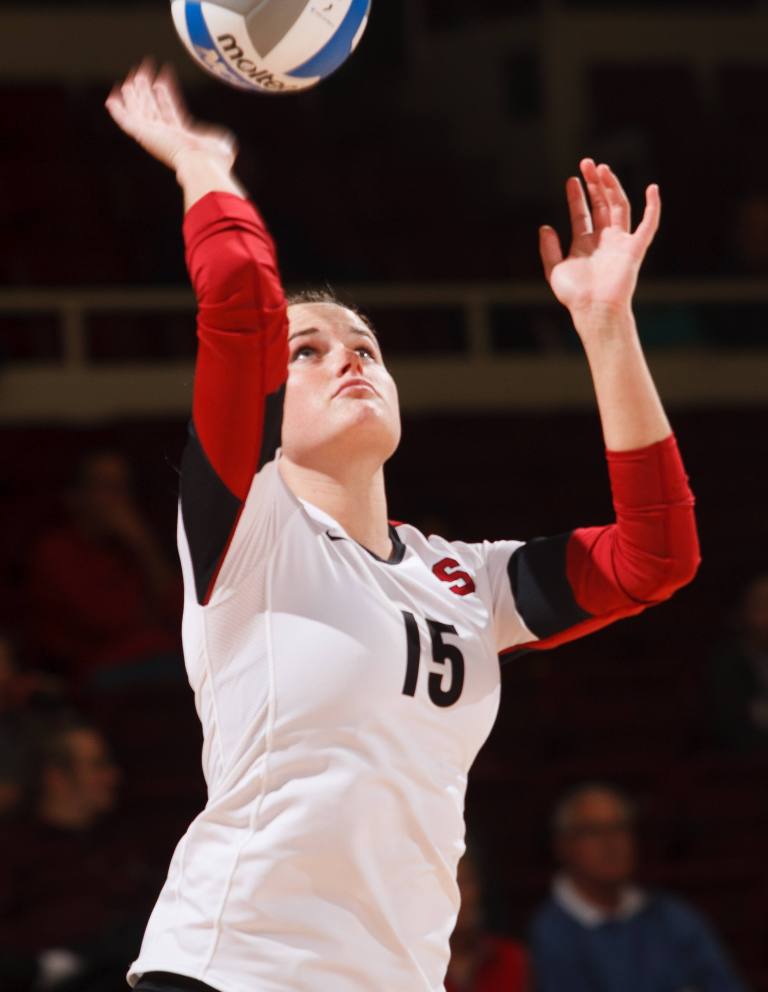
(164,981)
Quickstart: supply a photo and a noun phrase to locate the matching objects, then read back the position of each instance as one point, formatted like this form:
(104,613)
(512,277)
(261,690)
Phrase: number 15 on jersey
(445,654)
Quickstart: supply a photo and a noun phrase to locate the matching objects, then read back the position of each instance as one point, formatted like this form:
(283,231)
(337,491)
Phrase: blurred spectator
(24,696)
(739,674)
(600,933)
(481,962)
(21,689)
(105,602)
(74,892)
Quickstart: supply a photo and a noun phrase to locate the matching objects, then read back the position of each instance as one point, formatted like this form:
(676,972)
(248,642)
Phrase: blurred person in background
(74,889)
(105,603)
(481,961)
(739,674)
(598,932)
(25,696)
(22,689)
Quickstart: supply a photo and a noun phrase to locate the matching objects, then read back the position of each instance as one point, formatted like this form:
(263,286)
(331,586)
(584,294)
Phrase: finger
(129,100)
(166,107)
(618,201)
(129,76)
(550,249)
(115,97)
(146,69)
(166,79)
(142,85)
(601,212)
(130,79)
(130,96)
(578,208)
(649,225)
(117,110)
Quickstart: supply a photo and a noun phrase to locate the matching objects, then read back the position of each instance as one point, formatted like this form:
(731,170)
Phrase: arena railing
(90,354)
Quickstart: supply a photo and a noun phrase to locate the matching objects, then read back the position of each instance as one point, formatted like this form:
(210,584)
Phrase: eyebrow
(316,330)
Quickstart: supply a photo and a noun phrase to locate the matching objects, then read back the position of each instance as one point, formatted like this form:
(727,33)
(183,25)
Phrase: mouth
(355,384)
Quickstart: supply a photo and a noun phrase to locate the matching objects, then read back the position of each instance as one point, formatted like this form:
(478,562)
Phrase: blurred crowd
(100,614)
(94,665)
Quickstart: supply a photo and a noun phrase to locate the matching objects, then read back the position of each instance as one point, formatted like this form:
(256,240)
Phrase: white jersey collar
(567,896)
(336,532)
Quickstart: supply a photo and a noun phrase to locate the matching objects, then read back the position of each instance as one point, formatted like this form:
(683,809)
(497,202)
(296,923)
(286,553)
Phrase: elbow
(677,571)
(662,574)
(683,570)
(686,559)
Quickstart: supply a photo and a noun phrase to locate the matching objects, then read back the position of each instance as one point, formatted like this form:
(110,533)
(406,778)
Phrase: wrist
(190,164)
(605,322)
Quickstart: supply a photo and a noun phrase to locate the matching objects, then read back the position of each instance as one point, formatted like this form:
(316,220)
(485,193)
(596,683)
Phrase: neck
(354,496)
(606,896)
(63,814)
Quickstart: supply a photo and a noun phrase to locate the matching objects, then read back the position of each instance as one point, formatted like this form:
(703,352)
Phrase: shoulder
(464,567)
(547,919)
(676,914)
(475,554)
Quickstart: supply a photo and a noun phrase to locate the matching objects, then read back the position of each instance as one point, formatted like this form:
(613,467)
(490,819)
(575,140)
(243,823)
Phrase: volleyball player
(345,669)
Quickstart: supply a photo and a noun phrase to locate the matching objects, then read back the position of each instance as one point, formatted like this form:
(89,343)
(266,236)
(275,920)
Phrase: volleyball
(271,46)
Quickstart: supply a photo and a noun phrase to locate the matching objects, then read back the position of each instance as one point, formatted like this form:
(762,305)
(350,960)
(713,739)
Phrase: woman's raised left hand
(598,277)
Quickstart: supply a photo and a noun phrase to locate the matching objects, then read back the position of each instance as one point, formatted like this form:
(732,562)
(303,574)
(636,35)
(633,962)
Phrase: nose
(350,362)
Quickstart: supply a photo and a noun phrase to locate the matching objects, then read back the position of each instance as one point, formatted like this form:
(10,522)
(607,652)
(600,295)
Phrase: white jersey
(343,700)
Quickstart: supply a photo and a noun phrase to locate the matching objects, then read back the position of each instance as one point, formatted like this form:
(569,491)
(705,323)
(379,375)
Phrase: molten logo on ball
(271,45)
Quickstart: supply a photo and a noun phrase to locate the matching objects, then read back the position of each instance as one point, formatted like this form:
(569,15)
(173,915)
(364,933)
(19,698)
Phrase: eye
(366,352)
(305,351)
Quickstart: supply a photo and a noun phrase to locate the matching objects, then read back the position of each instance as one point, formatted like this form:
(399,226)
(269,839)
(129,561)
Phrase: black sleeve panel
(543,594)
(208,508)
(273,426)
(209,512)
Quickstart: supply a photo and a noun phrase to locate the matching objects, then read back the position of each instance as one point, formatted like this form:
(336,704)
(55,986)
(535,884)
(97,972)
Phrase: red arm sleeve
(242,363)
(653,547)
(242,332)
(569,586)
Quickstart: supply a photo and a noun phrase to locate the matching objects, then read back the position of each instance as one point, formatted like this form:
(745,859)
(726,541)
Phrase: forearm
(631,412)
(199,173)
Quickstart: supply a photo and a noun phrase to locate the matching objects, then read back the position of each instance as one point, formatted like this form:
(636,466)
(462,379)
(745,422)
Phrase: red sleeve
(575,584)
(242,329)
(242,364)
(653,547)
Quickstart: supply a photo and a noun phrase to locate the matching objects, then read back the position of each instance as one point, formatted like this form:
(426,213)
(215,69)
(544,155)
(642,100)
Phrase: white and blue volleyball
(271,46)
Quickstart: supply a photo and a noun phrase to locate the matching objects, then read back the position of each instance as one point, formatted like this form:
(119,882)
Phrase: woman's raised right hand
(149,107)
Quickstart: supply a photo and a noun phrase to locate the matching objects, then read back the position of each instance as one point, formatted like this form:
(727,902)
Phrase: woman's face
(341,404)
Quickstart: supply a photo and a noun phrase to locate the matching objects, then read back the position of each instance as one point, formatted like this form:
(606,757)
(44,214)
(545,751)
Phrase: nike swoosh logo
(334,537)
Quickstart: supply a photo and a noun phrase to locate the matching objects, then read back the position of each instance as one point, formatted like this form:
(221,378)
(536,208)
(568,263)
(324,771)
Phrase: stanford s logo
(449,570)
